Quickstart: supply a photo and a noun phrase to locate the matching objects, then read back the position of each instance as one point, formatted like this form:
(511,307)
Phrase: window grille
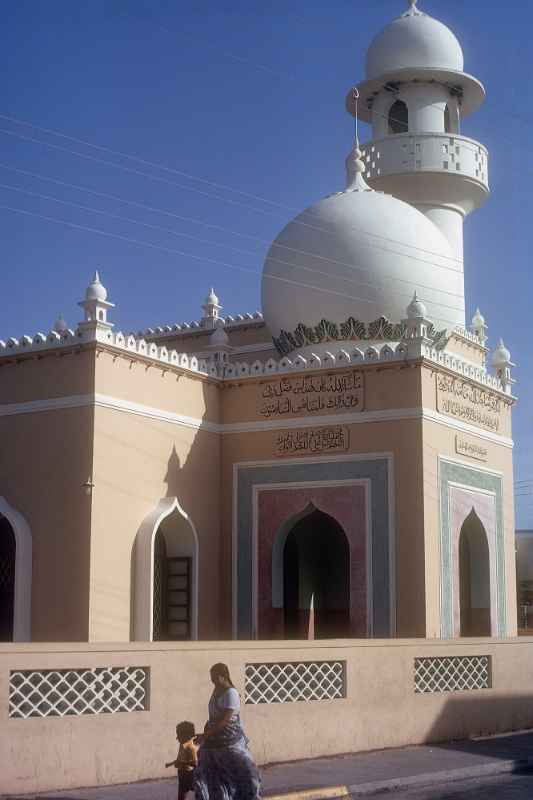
(64,692)
(295,681)
(452,674)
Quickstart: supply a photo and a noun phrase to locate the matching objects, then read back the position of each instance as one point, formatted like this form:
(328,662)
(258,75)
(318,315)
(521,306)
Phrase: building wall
(492,465)
(45,458)
(138,461)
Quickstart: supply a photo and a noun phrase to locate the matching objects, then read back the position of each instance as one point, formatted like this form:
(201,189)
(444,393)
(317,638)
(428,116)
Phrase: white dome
(60,325)
(211,298)
(359,254)
(95,290)
(416,308)
(414,40)
(501,355)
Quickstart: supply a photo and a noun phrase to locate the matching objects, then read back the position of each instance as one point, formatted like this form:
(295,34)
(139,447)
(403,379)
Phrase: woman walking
(226,770)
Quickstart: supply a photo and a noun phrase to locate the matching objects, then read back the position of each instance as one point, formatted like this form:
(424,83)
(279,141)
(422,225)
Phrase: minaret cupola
(211,309)
(95,306)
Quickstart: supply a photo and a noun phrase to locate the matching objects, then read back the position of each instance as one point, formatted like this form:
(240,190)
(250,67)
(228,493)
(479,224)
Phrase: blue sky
(246,95)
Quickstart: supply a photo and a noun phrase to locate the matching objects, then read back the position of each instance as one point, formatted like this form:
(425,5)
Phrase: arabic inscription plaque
(467,402)
(311,440)
(311,394)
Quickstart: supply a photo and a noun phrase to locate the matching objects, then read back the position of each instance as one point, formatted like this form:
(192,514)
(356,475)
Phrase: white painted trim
(104,401)
(354,418)
(23,572)
(143,598)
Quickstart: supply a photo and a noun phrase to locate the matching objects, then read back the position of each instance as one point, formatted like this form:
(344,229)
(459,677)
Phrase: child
(187,758)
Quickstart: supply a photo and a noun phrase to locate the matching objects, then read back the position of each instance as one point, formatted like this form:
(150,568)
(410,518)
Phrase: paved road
(501,787)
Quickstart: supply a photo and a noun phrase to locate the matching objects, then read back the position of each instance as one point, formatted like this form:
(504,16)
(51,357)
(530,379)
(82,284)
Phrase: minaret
(95,306)
(415,95)
(211,309)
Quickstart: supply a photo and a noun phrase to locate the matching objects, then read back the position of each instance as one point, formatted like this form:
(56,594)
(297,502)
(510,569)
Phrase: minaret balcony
(393,165)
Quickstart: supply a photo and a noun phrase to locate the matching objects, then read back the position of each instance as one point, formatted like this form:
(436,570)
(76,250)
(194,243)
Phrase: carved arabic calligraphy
(465,401)
(311,394)
(311,440)
(471,449)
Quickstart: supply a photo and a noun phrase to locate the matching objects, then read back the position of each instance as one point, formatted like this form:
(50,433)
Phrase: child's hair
(185,730)
(222,670)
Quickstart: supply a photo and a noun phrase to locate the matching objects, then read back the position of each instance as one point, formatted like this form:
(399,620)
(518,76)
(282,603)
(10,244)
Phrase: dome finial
(413,9)
(355,166)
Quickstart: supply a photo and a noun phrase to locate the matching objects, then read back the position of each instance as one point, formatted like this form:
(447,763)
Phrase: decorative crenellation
(213,368)
(468,336)
(126,342)
(196,326)
(383,353)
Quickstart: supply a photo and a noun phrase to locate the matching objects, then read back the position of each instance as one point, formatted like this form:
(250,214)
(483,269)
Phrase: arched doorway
(398,117)
(474,578)
(15,577)
(8,549)
(316,575)
(166,576)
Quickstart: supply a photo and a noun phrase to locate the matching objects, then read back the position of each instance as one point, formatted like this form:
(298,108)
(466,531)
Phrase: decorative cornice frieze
(352,330)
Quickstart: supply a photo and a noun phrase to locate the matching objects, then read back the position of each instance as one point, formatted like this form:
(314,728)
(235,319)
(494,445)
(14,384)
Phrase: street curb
(410,781)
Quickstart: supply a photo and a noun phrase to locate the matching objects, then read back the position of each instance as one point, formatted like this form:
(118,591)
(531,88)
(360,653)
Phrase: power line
(173,251)
(193,177)
(357,282)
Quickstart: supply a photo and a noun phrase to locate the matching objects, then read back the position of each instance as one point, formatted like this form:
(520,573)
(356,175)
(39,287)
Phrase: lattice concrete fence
(82,715)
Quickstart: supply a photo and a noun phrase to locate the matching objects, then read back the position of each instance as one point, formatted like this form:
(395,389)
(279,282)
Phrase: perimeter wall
(388,694)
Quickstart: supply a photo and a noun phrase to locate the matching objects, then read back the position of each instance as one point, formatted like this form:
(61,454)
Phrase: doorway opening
(474,578)
(8,550)
(316,579)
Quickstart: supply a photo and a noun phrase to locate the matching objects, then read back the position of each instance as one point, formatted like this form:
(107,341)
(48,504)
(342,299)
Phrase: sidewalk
(359,774)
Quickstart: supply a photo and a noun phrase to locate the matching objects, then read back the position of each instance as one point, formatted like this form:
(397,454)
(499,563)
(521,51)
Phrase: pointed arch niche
(166,532)
(285,511)
(20,530)
(475,573)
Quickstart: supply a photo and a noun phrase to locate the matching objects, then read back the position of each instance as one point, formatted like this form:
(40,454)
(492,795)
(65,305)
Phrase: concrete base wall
(381,708)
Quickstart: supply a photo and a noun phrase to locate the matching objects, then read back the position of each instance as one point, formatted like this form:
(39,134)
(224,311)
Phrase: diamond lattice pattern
(452,674)
(295,681)
(63,692)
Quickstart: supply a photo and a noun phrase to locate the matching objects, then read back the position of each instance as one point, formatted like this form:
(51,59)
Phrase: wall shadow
(468,717)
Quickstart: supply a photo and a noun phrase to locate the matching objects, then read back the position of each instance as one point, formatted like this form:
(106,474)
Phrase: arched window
(398,117)
(447,120)
(166,575)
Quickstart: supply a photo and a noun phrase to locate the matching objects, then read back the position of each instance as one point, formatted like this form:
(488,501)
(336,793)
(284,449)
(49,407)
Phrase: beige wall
(137,462)
(380,709)
(45,459)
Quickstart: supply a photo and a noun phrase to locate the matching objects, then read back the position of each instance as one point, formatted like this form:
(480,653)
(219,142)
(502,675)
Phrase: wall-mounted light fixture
(88,486)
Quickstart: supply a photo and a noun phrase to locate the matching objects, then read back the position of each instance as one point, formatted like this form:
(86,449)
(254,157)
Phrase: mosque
(337,466)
